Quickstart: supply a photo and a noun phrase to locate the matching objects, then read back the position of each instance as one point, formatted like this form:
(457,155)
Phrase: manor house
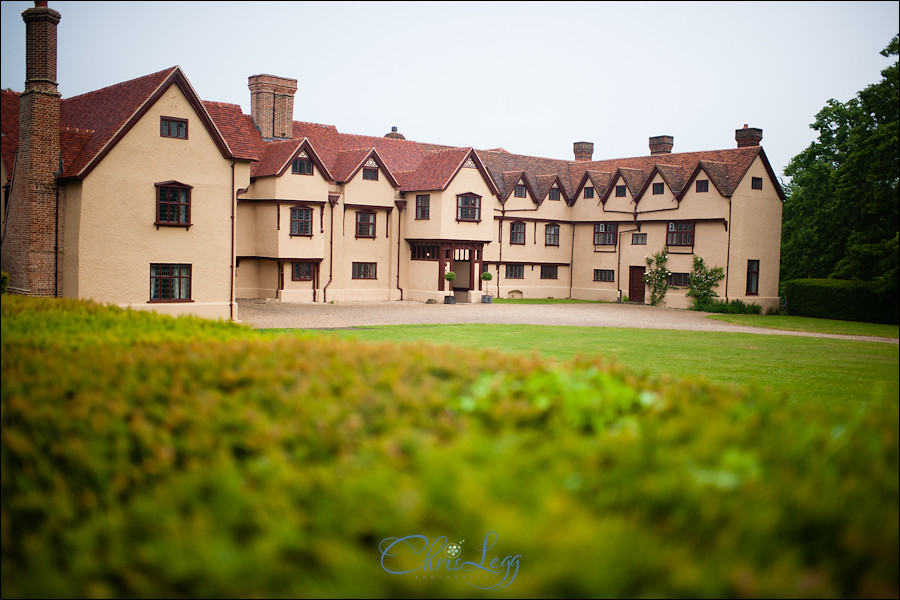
(143,195)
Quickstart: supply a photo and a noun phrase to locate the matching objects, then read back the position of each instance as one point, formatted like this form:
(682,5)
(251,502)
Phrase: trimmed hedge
(841,300)
(731,307)
(145,456)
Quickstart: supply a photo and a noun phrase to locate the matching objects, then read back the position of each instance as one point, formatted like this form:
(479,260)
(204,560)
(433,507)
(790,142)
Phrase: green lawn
(812,325)
(817,370)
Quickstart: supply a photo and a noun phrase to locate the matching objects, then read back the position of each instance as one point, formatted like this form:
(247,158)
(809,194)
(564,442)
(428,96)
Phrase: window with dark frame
(173,127)
(370,173)
(170,283)
(620,191)
(365,224)
(604,275)
(605,234)
(301,221)
(638,239)
(515,271)
(551,234)
(302,166)
(423,207)
(301,271)
(517,233)
(588,192)
(679,279)
(752,277)
(554,194)
(468,208)
(756,183)
(363,270)
(520,191)
(702,186)
(549,272)
(680,234)
(659,188)
(173,205)
(422,251)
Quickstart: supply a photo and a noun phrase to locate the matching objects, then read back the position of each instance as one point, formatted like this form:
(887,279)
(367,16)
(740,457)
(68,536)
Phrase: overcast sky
(530,77)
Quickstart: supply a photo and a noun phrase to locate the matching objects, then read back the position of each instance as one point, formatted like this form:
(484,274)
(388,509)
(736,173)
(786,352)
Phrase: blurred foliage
(148,456)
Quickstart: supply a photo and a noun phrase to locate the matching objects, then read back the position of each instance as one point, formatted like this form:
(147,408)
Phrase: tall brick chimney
(32,243)
(272,105)
(748,136)
(584,151)
(661,144)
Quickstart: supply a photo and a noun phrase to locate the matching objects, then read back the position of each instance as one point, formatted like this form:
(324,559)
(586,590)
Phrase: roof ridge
(169,71)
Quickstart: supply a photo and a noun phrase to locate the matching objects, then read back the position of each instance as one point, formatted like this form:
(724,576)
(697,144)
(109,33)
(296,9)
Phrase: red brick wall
(32,245)
(272,105)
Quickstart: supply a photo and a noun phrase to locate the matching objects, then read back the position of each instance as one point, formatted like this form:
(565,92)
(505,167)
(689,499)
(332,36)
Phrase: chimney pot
(584,151)
(748,136)
(661,144)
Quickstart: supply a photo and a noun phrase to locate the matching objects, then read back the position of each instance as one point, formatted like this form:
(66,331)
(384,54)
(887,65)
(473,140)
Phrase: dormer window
(173,127)
(554,194)
(370,173)
(702,186)
(588,192)
(620,191)
(658,189)
(756,183)
(302,166)
(520,191)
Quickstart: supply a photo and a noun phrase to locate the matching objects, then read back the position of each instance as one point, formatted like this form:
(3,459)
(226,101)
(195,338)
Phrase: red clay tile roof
(9,128)
(93,122)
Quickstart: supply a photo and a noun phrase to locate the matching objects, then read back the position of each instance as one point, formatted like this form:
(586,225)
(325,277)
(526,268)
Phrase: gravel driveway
(262,314)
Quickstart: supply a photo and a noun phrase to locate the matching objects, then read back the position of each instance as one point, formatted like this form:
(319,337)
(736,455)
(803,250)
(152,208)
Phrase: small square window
(702,186)
(605,234)
(302,166)
(170,283)
(363,270)
(301,271)
(638,239)
(756,183)
(554,194)
(301,221)
(620,191)
(520,191)
(549,272)
(517,233)
(173,127)
(515,271)
(423,207)
(551,234)
(604,275)
(588,192)
(658,188)
(370,173)
(679,279)
(365,225)
(680,234)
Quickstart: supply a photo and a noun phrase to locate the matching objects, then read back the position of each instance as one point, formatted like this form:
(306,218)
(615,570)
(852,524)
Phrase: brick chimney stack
(661,144)
(32,245)
(584,151)
(748,136)
(272,105)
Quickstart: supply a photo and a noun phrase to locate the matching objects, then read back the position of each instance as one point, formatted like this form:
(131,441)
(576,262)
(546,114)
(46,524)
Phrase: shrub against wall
(840,299)
(145,456)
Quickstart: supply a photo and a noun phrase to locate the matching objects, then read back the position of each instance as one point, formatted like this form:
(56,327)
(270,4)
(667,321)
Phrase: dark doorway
(636,284)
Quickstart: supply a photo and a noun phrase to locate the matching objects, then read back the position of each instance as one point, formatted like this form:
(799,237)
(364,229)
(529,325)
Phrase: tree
(841,214)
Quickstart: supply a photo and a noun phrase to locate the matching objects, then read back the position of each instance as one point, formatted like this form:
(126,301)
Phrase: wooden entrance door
(636,284)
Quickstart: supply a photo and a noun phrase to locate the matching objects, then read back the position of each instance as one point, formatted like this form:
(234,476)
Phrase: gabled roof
(111,112)
(543,183)
(436,170)
(672,176)
(350,162)
(599,180)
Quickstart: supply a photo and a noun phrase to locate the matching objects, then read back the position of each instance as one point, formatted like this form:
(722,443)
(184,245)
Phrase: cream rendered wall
(117,236)
(650,201)
(361,195)
(467,180)
(429,228)
(71,241)
(756,235)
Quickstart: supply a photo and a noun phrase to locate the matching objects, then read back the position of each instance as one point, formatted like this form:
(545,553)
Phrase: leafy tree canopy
(841,215)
